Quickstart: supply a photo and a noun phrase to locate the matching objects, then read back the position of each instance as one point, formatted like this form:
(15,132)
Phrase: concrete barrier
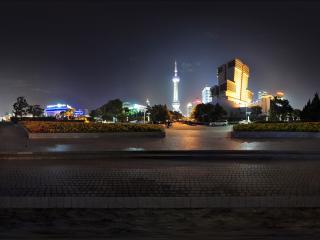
(274,134)
(109,135)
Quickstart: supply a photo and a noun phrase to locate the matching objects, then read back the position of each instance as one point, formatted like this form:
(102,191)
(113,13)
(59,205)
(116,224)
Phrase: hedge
(78,127)
(283,127)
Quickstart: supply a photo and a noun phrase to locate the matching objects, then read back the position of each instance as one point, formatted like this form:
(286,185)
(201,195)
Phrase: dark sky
(87,53)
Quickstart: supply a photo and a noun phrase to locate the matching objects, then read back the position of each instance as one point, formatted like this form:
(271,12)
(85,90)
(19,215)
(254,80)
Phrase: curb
(169,155)
(275,135)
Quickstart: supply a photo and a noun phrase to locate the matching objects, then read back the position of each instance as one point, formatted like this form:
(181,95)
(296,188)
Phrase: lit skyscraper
(176,80)
(206,95)
(233,79)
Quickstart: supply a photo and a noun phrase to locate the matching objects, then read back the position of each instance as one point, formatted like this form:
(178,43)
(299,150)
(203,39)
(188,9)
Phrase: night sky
(87,53)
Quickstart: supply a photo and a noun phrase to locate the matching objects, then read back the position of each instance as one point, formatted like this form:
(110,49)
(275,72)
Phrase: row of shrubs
(37,119)
(78,127)
(284,127)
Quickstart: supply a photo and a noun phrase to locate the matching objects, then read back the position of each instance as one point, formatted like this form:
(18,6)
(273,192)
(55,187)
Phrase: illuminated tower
(175,80)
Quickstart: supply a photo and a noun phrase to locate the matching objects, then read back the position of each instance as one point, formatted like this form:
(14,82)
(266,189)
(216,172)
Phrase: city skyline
(106,51)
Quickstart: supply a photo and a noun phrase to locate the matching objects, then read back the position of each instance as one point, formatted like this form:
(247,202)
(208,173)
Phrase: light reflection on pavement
(180,137)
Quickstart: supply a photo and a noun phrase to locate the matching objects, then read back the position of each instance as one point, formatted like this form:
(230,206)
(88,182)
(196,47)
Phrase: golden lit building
(232,87)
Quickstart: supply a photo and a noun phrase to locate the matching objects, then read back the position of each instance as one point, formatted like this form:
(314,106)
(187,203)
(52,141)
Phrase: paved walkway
(135,183)
(184,137)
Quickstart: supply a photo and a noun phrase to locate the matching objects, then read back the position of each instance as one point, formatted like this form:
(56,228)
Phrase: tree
(20,107)
(208,112)
(109,111)
(280,109)
(96,113)
(35,110)
(306,112)
(218,113)
(296,115)
(202,111)
(256,111)
(125,115)
(175,116)
(311,111)
(159,113)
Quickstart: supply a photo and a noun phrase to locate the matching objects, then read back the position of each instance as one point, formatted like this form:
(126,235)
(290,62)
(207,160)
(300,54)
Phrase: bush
(78,127)
(284,127)
(16,119)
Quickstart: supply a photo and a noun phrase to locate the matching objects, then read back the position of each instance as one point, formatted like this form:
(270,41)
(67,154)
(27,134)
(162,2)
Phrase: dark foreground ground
(282,223)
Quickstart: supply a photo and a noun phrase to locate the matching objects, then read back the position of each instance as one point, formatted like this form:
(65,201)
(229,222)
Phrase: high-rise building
(175,80)
(264,103)
(189,109)
(264,99)
(232,88)
(261,94)
(206,95)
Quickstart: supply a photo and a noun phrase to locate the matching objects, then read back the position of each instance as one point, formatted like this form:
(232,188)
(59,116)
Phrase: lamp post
(246,111)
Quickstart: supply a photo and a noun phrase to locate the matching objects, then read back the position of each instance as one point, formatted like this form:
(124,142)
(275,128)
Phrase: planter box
(274,134)
(94,135)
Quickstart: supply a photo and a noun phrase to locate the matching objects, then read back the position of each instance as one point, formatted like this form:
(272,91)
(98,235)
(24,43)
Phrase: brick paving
(159,183)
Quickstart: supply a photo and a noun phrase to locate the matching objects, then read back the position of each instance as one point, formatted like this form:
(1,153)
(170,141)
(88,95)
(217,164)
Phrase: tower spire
(175,69)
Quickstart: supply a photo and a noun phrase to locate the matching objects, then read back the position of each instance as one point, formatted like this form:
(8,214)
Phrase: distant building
(264,100)
(55,110)
(196,102)
(137,113)
(206,95)
(134,107)
(264,103)
(232,89)
(261,94)
(189,109)
(81,113)
(6,117)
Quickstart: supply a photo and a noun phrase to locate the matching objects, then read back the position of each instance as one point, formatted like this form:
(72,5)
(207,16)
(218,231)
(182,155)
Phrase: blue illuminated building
(54,110)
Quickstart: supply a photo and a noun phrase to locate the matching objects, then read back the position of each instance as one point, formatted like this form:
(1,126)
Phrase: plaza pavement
(95,174)
(181,137)
(166,182)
